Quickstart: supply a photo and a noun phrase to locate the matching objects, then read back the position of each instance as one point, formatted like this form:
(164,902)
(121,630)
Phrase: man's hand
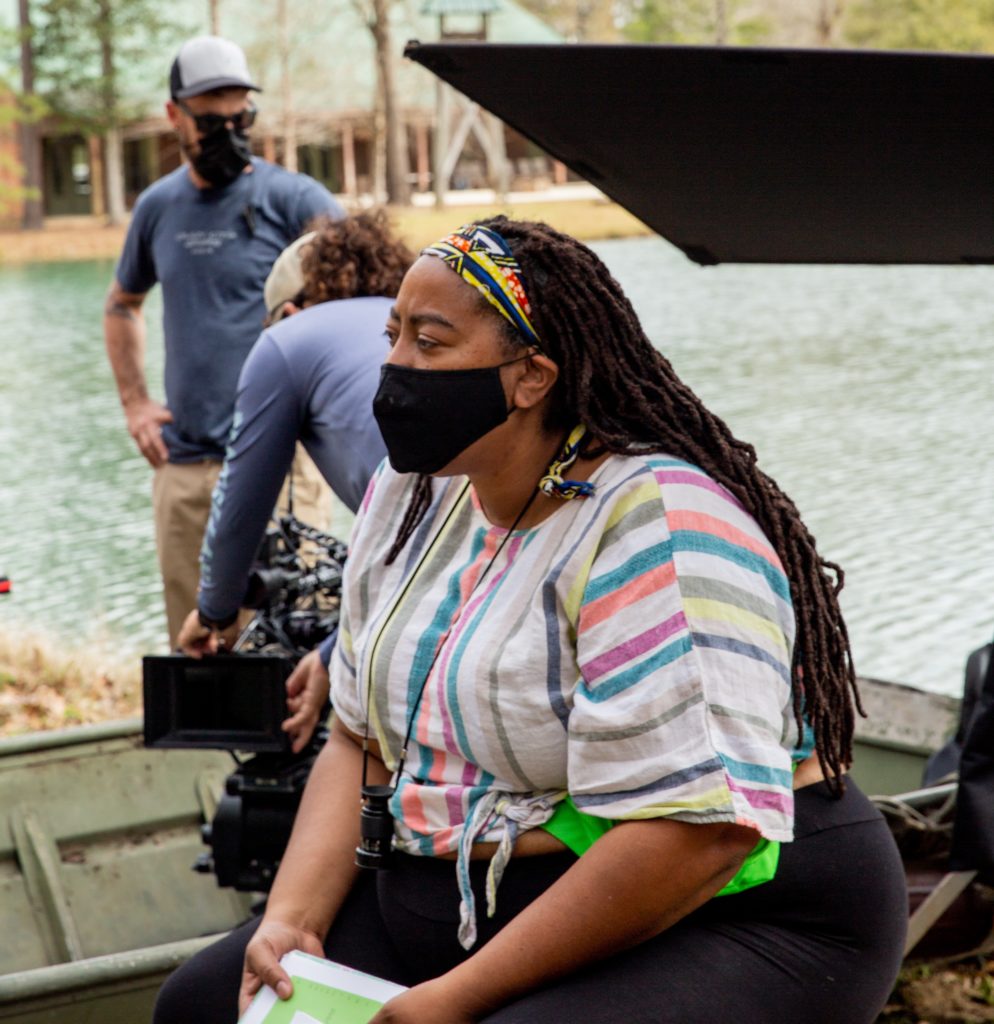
(306,692)
(196,640)
(145,418)
(262,959)
(124,333)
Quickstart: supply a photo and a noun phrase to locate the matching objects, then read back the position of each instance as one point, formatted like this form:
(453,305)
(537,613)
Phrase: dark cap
(207,63)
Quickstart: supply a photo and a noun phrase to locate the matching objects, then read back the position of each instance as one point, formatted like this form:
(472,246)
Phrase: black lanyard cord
(403,594)
(441,643)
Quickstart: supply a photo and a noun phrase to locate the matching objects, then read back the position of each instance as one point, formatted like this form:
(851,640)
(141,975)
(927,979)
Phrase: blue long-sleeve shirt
(312,378)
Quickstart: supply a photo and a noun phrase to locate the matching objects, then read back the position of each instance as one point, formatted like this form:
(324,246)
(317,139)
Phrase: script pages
(323,993)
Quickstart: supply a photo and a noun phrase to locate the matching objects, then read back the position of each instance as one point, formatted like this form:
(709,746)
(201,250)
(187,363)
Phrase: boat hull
(97,900)
(902,729)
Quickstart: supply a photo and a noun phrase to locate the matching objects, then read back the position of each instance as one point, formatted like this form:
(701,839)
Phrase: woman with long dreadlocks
(593,665)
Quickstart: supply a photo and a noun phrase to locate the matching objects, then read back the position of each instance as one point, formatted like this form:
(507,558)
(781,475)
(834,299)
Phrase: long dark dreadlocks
(614,381)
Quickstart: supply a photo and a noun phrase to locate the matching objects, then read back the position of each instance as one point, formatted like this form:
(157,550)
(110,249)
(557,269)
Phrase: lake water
(868,393)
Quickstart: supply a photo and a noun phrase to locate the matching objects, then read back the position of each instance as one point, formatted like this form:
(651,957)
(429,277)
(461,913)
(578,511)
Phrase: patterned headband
(483,259)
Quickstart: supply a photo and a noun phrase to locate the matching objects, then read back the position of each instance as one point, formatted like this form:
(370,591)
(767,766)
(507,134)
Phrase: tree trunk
(379,143)
(396,143)
(594,21)
(720,22)
(286,90)
(214,16)
(31,217)
(113,142)
(114,171)
(829,16)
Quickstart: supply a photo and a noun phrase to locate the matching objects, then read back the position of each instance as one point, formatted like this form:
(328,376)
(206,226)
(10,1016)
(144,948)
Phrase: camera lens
(375,828)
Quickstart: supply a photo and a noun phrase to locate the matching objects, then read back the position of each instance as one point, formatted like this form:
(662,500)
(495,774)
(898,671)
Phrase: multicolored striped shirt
(632,650)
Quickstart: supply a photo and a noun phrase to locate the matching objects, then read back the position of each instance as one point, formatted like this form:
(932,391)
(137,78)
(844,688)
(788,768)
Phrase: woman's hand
(433,1001)
(318,869)
(262,959)
(306,692)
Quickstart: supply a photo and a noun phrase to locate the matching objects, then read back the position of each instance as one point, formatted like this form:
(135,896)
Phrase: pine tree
(84,50)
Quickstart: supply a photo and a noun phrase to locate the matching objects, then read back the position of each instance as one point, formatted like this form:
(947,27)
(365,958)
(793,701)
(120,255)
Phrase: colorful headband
(483,259)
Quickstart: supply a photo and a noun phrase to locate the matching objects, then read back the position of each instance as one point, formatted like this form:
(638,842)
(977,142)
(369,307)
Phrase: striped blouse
(632,650)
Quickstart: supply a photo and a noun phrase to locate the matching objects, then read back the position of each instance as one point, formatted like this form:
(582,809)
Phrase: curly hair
(614,381)
(353,257)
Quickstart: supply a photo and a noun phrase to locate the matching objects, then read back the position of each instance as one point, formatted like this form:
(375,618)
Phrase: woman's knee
(204,990)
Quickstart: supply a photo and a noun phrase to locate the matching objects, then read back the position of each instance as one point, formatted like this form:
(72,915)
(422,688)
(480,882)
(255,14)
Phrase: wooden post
(558,172)
(98,201)
(448,145)
(500,166)
(348,160)
(424,161)
(440,178)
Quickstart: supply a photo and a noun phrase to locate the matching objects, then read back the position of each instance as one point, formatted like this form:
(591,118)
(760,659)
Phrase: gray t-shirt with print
(211,250)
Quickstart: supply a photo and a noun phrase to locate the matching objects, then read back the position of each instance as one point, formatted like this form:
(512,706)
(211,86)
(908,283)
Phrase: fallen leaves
(46,685)
(954,994)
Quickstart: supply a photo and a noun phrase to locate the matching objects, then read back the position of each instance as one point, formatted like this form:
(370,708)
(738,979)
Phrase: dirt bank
(89,239)
(48,684)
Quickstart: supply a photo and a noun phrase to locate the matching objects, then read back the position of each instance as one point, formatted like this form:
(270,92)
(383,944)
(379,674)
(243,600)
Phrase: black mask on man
(224,154)
(427,417)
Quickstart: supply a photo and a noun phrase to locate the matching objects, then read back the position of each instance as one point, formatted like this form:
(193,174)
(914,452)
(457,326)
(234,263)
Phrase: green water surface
(868,393)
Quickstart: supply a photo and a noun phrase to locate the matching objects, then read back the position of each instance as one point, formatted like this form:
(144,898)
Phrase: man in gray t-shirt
(209,233)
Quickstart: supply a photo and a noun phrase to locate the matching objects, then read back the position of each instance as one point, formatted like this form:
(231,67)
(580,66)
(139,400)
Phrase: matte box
(220,702)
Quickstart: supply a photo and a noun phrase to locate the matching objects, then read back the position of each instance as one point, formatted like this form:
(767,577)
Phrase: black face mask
(427,417)
(224,154)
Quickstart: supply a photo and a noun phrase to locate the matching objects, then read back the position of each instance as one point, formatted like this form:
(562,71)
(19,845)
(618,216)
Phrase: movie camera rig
(237,702)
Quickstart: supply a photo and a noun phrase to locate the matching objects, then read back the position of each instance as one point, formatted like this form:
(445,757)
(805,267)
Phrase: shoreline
(586,214)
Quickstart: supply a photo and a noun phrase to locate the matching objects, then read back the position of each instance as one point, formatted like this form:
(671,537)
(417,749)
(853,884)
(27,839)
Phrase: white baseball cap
(207,63)
(286,279)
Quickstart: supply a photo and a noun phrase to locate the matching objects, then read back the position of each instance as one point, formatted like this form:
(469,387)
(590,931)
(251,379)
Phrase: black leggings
(820,944)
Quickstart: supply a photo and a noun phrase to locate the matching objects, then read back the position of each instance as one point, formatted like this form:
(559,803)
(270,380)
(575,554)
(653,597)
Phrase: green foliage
(952,25)
(985,989)
(84,49)
(10,196)
(586,20)
(695,22)
(15,109)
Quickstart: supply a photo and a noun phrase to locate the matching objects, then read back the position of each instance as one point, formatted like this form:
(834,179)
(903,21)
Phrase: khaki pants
(181,500)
